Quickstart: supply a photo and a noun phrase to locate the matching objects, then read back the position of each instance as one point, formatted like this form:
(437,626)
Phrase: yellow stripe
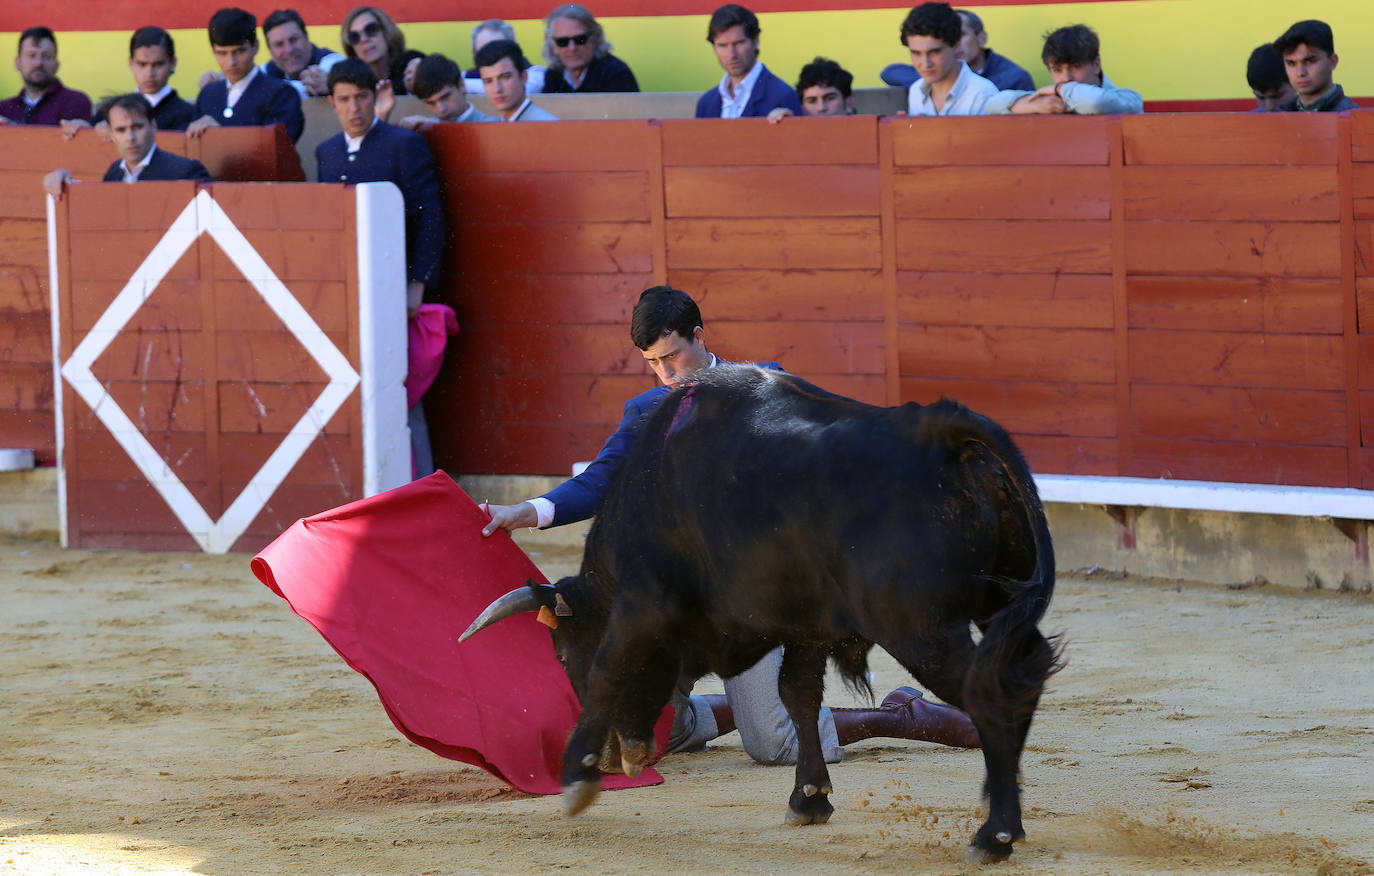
(1166,49)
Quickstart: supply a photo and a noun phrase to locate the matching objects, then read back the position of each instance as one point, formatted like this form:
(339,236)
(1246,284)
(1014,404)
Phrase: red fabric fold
(391,582)
(427,335)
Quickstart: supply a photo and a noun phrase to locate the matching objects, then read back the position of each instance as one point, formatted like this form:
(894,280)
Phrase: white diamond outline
(204,216)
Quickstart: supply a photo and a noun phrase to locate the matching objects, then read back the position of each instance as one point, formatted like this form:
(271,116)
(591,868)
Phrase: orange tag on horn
(546,618)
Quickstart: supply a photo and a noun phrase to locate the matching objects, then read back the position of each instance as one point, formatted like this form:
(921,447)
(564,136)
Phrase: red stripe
(82,15)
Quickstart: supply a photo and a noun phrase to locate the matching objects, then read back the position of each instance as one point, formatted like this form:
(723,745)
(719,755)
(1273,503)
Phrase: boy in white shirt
(948,86)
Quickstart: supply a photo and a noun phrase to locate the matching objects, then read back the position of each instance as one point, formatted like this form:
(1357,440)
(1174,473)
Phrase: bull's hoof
(610,754)
(579,795)
(809,805)
(994,848)
(634,755)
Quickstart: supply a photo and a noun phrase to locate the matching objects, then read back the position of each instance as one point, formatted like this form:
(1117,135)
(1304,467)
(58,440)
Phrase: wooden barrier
(1156,297)
(26,154)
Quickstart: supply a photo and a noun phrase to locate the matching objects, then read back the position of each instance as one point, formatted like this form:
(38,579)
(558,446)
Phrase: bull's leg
(641,702)
(801,681)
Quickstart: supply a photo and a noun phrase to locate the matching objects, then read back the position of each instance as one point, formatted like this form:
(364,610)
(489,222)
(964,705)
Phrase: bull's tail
(1013,660)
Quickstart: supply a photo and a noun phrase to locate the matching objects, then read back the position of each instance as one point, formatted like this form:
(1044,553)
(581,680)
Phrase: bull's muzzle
(518,601)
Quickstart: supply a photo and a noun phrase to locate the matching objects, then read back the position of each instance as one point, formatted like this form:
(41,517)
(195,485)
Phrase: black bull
(758,510)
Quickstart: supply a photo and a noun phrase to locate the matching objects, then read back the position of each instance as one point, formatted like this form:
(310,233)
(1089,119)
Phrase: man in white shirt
(748,89)
(502,67)
(948,86)
(1079,86)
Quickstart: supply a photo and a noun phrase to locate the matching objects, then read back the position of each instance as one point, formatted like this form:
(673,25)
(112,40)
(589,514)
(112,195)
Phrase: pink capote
(427,335)
(391,582)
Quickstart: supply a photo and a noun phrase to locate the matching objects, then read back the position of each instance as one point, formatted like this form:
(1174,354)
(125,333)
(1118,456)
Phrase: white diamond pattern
(203,216)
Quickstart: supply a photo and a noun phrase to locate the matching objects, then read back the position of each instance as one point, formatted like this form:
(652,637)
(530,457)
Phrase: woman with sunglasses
(580,59)
(370,35)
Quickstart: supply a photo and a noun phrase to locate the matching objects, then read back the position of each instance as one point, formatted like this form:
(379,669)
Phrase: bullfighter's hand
(509,517)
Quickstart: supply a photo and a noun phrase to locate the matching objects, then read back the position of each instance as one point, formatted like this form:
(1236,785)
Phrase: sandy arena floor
(167,713)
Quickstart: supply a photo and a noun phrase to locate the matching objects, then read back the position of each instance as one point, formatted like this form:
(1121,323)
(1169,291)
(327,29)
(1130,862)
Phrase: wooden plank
(1366,402)
(268,356)
(892,377)
(238,305)
(1121,340)
(1364,291)
(1242,304)
(550,298)
(998,353)
(1362,136)
(577,247)
(1004,245)
(1027,406)
(1231,138)
(744,294)
(569,145)
(160,406)
(1237,462)
(778,243)
(798,141)
(22,195)
(1003,192)
(333,461)
(786,191)
(158,355)
(174,305)
(25,386)
(106,208)
(1350,322)
(1223,413)
(1366,459)
(23,290)
(1284,249)
(524,447)
(32,429)
(868,388)
(1364,248)
(804,347)
(26,338)
(133,506)
(268,407)
(282,206)
(1045,300)
(551,349)
(1204,358)
(1308,193)
(1363,184)
(291,254)
(40,148)
(1020,141)
(23,242)
(101,454)
(121,253)
(1060,454)
(170,540)
(244,154)
(553,195)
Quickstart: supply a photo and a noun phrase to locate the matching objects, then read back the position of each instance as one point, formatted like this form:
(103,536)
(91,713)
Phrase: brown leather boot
(906,714)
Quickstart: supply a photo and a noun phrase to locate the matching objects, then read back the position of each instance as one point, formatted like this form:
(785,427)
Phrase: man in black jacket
(580,59)
(1309,56)
(134,134)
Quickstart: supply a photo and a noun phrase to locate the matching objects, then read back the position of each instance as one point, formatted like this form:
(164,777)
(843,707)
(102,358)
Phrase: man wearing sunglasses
(580,59)
(245,96)
(502,66)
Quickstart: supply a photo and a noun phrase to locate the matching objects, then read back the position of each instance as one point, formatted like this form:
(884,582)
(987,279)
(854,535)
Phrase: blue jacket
(391,154)
(164,166)
(266,101)
(580,497)
(769,93)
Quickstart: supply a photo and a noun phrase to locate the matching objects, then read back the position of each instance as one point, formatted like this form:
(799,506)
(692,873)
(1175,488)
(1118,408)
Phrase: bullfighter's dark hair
(1265,71)
(152,37)
(353,71)
(826,73)
(492,53)
(938,20)
(1075,44)
(971,18)
(1316,34)
(38,34)
(433,74)
(663,310)
(134,104)
(233,27)
(733,15)
(280,17)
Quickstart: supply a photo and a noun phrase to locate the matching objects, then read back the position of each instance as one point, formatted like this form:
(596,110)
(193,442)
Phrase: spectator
(370,35)
(824,89)
(135,136)
(245,96)
(948,86)
(294,58)
(370,150)
(1268,79)
(579,57)
(973,49)
(439,83)
(43,100)
(1309,56)
(748,89)
(502,67)
(1079,85)
(496,29)
(152,60)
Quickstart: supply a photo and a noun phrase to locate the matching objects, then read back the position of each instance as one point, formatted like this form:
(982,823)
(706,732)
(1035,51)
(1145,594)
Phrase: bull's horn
(519,600)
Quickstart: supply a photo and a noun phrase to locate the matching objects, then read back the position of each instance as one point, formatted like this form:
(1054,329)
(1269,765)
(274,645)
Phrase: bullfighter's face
(675,358)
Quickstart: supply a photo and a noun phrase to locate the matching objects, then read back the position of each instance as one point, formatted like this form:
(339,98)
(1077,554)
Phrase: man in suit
(246,95)
(667,328)
(748,89)
(504,72)
(135,136)
(370,150)
(152,60)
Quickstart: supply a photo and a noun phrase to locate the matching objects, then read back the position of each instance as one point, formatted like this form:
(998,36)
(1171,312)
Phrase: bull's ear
(560,606)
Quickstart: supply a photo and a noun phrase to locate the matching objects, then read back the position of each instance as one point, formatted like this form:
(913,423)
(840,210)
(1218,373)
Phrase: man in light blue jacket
(1079,85)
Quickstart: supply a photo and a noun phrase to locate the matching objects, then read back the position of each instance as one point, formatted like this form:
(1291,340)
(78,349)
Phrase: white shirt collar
(132,176)
(356,143)
(520,111)
(236,90)
(159,97)
(733,107)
